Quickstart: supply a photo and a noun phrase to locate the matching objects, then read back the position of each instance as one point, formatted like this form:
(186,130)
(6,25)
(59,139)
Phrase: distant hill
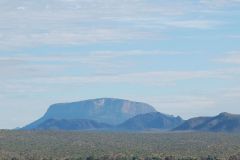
(106,110)
(224,122)
(151,121)
(71,125)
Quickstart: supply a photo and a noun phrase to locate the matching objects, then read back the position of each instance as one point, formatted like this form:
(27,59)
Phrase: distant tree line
(124,157)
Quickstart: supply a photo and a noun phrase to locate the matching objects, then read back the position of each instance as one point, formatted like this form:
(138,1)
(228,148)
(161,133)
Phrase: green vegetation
(120,146)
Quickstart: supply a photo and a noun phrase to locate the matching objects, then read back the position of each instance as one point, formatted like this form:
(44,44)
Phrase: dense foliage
(118,146)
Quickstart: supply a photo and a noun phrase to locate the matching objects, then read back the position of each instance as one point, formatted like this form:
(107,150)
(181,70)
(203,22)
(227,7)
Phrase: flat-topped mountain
(224,122)
(106,110)
(151,121)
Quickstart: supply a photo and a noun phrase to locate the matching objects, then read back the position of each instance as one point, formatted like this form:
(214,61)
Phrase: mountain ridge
(223,122)
(71,125)
(149,121)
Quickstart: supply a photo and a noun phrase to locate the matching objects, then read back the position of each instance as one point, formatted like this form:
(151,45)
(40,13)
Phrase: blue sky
(183,57)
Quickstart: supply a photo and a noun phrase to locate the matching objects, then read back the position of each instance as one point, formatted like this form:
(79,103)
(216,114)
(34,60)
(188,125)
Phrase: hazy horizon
(183,58)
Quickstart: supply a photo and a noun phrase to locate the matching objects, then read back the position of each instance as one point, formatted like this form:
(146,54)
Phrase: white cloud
(102,67)
(196,24)
(230,93)
(100,62)
(186,105)
(184,102)
(87,56)
(233,36)
(230,58)
(158,78)
(42,76)
(214,4)
(53,22)
(65,38)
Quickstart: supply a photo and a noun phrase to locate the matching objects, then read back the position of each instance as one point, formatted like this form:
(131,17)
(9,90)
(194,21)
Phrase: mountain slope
(149,121)
(224,122)
(71,125)
(106,110)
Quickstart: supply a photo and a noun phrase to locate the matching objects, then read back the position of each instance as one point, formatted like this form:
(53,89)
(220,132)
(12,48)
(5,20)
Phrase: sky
(181,56)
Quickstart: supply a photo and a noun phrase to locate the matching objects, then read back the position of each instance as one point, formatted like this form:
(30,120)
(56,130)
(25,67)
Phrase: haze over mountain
(141,122)
(71,125)
(124,115)
(149,121)
(182,56)
(105,110)
(224,122)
